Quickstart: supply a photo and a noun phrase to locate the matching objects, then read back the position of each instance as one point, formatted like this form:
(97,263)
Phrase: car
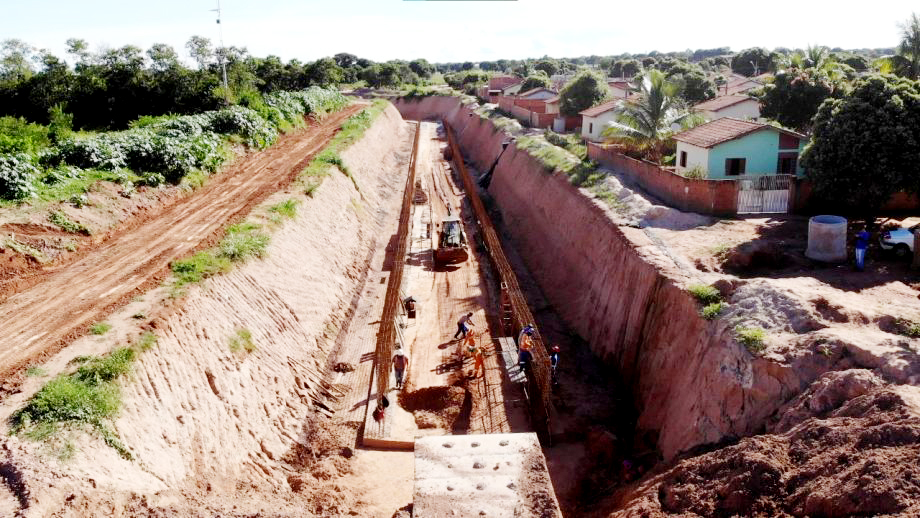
(900,240)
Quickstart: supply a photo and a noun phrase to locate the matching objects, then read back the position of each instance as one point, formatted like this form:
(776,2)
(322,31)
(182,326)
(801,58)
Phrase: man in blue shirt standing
(862,243)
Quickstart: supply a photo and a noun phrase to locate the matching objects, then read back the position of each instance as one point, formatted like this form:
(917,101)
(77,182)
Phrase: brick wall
(534,105)
(716,197)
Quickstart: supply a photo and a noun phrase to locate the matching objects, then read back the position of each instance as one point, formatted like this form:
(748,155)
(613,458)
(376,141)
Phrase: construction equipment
(452,246)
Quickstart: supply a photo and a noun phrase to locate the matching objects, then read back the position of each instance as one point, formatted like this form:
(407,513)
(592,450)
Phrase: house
(537,94)
(595,119)
(738,84)
(619,88)
(730,147)
(552,105)
(737,106)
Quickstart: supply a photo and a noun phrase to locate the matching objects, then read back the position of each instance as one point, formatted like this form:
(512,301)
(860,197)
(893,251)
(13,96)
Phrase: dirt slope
(218,432)
(39,319)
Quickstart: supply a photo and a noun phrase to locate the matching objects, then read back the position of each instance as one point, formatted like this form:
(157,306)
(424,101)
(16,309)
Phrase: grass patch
(36,372)
(908,328)
(57,217)
(241,341)
(704,293)
(713,310)
(100,328)
(751,337)
(286,209)
(24,249)
(720,251)
(241,242)
(89,396)
(146,341)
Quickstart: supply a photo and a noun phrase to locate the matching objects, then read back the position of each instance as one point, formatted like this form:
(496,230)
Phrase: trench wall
(691,383)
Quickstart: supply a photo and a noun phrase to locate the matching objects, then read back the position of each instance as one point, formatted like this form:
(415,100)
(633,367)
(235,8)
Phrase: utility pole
(223,64)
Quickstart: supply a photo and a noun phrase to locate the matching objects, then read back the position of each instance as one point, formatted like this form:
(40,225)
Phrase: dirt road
(41,319)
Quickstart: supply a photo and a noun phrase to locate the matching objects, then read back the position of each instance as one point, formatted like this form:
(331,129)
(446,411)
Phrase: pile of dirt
(434,407)
(860,459)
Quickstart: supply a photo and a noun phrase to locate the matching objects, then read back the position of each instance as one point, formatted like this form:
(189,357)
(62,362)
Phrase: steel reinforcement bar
(386,334)
(539,379)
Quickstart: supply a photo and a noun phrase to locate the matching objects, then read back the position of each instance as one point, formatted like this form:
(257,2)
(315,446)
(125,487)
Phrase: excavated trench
(694,388)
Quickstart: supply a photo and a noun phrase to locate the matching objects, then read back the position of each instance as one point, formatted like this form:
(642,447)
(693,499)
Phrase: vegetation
(696,172)
(286,209)
(241,341)
(100,328)
(753,61)
(908,327)
(795,95)
(88,396)
(36,372)
(713,310)
(704,293)
(535,81)
(57,217)
(865,145)
(644,126)
(751,337)
(585,90)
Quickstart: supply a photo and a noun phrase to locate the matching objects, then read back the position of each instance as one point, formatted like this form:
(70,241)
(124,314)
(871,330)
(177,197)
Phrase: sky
(448,31)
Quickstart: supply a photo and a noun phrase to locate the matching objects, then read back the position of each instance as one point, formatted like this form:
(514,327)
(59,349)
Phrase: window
(734,166)
(786,165)
(590,127)
(683,159)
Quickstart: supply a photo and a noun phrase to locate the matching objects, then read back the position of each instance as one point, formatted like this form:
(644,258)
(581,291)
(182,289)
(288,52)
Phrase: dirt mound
(434,407)
(859,460)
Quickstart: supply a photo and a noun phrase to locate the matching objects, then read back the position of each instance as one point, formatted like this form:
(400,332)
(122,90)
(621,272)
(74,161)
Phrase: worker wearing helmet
(554,361)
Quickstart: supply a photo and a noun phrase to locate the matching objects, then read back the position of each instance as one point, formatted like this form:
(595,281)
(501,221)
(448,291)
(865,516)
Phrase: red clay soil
(41,318)
(857,460)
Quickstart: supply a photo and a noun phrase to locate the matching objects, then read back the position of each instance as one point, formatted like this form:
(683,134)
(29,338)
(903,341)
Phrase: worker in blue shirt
(862,243)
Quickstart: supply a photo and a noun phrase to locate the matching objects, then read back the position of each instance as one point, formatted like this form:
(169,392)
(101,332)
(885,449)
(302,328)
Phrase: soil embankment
(215,430)
(623,289)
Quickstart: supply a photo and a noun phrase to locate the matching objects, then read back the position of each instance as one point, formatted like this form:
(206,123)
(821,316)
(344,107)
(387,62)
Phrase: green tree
(201,51)
(345,60)
(548,66)
(909,48)
(535,81)
(694,86)
(15,58)
(795,95)
(324,72)
(753,61)
(162,57)
(421,67)
(585,90)
(644,124)
(625,68)
(865,145)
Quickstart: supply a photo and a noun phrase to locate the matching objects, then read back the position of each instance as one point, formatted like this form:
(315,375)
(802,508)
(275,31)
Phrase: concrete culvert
(827,239)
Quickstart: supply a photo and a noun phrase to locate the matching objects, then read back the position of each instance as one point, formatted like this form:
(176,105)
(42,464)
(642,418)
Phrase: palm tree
(643,123)
(909,48)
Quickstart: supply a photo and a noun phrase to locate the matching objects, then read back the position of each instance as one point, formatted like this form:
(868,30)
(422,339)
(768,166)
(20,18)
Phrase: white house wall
(592,127)
(695,156)
(743,110)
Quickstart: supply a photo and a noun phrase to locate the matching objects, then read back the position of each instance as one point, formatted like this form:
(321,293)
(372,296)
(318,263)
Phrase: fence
(716,197)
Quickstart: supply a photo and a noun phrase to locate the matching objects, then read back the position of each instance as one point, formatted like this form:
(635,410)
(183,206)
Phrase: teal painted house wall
(760,149)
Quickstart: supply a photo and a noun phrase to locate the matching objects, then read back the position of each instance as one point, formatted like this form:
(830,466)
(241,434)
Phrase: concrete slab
(495,475)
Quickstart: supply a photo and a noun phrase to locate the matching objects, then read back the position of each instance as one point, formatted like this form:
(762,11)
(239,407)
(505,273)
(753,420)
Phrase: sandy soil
(40,319)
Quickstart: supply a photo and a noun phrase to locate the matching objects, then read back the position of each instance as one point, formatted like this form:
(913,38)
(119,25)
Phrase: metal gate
(764,194)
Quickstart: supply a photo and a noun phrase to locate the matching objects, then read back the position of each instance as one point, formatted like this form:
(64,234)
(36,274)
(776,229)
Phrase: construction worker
(524,347)
(554,361)
(463,325)
(527,330)
(400,364)
(479,362)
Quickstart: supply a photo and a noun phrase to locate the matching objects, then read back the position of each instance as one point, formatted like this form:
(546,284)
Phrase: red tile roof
(535,90)
(714,105)
(722,130)
(594,111)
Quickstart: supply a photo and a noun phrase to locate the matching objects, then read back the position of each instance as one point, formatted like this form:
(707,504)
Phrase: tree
(644,124)
(909,48)
(795,95)
(625,68)
(79,49)
(585,90)
(162,56)
(345,60)
(548,66)
(535,81)
(15,57)
(468,65)
(751,62)
(865,145)
(324,72)
(694,86)
(421,67)
(201,51)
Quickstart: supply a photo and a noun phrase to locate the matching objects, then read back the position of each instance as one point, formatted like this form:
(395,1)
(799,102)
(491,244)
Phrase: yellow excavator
(452,246)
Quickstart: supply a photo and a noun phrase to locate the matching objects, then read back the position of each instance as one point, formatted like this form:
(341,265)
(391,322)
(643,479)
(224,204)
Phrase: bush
(243,241)
(704,293)
(100,328)
(65,398)
(20,136)
(751,337)
(695,173)
(16,176)
(88,153)
(286,209)
(102,369)
(711,311)
(60,219)
(246,123)
(242,341)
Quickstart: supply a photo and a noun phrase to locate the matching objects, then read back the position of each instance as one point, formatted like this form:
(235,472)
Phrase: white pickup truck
(901,240)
